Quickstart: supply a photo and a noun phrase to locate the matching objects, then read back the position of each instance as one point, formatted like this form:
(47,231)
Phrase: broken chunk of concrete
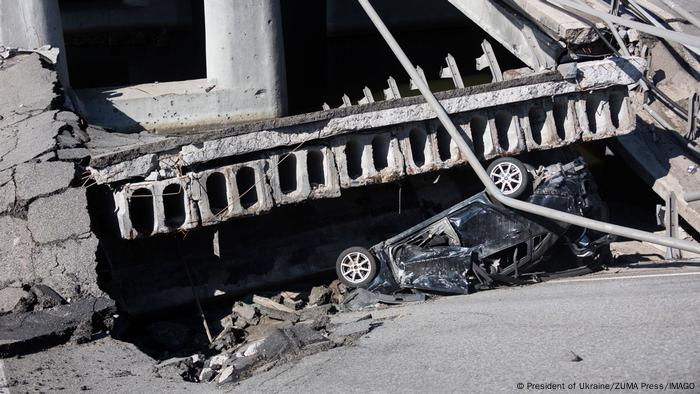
(140,166)
(46,297)
(36,179)
(275,310)
(227,375)
(292,304)
(244,311)
(10,297)
(206,375)
(319,295)
(316,312)
(338,291)
(60,216)
(23,333)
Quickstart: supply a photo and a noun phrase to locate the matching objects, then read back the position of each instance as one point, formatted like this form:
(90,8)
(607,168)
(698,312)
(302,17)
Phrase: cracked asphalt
(634,324)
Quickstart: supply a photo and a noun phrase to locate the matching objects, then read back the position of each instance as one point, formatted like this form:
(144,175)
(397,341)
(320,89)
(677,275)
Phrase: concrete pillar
(31,24)
(245,52)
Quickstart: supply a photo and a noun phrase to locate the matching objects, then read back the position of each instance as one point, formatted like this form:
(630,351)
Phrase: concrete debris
(22,333)
(259,335)
(319,295)
(10,297)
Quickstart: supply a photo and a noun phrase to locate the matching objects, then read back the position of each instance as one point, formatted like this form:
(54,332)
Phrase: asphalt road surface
(641,328)
(632,327)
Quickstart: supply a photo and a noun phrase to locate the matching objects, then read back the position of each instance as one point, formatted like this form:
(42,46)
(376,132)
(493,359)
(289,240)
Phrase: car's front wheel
(356,267)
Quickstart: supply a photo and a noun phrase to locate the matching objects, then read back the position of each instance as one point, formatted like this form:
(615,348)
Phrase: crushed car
(479,243)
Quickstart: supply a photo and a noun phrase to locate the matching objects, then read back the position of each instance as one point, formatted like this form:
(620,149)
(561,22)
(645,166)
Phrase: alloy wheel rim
(355,267)
(507,177)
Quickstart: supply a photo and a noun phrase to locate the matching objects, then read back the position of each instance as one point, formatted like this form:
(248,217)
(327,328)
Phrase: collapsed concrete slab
(378,143)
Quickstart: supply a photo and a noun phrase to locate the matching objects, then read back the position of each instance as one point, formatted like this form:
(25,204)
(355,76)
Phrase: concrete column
(245,53)
(31,24)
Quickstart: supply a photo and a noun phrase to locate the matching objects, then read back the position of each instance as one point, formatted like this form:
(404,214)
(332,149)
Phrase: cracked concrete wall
(45,234)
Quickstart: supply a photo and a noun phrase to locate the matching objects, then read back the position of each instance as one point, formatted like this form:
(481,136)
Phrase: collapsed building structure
(229,180)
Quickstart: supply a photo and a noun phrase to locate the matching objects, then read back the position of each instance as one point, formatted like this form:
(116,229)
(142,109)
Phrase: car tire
(510,176)
(356,267)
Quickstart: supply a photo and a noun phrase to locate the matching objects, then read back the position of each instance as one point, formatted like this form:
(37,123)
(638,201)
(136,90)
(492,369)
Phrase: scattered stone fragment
(316,312)
(338,291)
(245,311)
(207,375)
(293,304)
(46,297)
(290,295)
(319,295)
(219,359)
(10,297)
(275,310)
(226,375)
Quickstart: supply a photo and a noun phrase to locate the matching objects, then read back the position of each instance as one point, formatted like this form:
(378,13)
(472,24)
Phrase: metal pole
(654,22)
(681,38)
(683,12)
(491,188)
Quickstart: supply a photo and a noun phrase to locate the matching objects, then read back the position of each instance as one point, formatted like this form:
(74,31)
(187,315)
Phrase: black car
(479,241)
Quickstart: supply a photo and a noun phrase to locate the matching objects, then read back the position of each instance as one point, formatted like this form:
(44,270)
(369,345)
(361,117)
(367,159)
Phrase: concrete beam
(517,34)
(383,155)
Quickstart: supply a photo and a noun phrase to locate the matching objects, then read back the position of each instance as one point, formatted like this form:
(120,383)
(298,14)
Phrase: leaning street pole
(491,188)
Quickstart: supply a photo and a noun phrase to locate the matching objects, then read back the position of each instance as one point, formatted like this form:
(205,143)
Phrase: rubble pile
(269,331)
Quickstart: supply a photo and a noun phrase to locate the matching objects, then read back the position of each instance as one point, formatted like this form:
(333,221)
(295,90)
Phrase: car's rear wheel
(356,267)
(510,176)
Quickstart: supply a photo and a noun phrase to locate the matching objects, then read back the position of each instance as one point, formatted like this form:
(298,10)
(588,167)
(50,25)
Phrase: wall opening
(504,121)
(245,180)
(287,170)
(477,126)
(537,118)
(353,155)
(444,142)
(141,211)
(314,165)
(561,112)
(592,107)
(174,205)
(380,151)
(418,139)
(616,101)
(217,192)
